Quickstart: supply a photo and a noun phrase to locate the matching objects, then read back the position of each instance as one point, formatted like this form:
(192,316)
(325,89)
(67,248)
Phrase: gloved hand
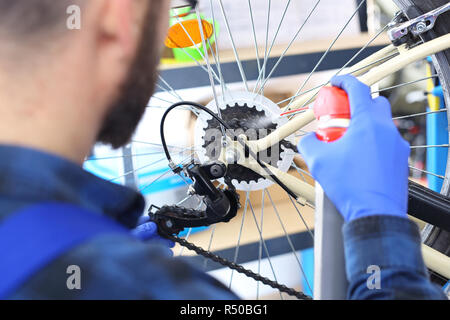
(148,231)
(365,172)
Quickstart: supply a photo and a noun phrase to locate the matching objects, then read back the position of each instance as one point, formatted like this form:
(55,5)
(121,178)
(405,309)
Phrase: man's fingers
(358,93)
(145,231)
(383,107)
(143,219)
(309,145)
(164,242)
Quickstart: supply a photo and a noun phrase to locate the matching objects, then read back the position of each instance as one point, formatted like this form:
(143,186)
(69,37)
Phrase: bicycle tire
(422,202)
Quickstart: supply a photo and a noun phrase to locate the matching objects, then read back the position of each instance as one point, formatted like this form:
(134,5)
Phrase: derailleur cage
(221,205)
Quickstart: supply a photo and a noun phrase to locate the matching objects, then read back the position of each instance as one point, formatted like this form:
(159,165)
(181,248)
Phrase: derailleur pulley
(221,205)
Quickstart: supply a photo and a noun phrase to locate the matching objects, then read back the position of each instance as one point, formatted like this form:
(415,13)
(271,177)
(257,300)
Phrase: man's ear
(112,37)
(119,23)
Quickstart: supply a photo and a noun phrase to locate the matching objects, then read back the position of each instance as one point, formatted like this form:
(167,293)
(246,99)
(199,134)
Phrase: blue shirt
(118,267)
(112,266)
(384,260)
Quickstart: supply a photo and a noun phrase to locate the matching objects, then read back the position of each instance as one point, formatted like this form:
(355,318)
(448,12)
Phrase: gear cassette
(254,116)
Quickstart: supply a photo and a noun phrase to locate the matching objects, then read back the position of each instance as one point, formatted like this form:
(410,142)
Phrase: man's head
(73,87)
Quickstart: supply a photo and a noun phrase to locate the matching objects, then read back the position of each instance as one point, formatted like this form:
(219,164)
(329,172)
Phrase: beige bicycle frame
(370,71)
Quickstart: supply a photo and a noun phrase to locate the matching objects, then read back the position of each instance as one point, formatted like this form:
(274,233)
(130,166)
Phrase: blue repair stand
(437,134)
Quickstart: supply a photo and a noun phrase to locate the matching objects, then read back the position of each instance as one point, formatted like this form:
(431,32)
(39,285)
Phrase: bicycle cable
(229,130)
(207,254)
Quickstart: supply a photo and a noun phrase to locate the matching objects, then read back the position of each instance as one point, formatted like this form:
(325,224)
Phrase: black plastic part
(245,119)
(226,126)
(171,220)
(221,205)
(202,182)
(193,3)
(429,206)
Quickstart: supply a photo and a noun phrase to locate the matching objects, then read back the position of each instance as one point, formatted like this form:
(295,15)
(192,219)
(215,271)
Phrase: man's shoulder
(119,267)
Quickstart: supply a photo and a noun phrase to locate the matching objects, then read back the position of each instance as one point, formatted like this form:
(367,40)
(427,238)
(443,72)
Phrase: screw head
(216,170)
(421,27)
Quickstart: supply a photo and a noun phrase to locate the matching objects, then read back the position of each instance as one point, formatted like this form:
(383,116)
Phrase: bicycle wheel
(435,237)
(242,100)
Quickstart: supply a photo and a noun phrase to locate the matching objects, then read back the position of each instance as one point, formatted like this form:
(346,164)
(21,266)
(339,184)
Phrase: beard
(127,110)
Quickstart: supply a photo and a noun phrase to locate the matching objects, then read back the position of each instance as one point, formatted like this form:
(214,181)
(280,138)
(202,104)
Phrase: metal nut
(421,27)
(232,156)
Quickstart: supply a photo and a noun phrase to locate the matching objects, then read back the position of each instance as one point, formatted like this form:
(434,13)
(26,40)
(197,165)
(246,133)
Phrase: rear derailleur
(221,205)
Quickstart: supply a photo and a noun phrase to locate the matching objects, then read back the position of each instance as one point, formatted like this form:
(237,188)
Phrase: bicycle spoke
(166,91)
(301,217)
(273,42)
(311,99)
(219,67)
(213,86)
(170,88)
(260,243)
(184,200)
(263,243)
(301,171)
(161,176)
(213,230)
(210,51)
(158,145)
(186,238)
(354,72)
(287,48)
(157,179)
(161,99)
(263,71)
(200,65)
(362,49)
(326,52)
(123,156)
(236,55)
(203,56)
(405,84)
(190,38)
(291,245)
(236,252)
(193,110)
(427,172)
(430,146)
(420,114)
(254,35)
(138,169)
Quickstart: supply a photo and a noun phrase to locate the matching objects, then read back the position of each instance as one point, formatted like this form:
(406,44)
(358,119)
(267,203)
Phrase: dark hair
(28,18)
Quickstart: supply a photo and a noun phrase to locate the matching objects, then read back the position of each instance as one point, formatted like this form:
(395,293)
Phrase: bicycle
(413,40)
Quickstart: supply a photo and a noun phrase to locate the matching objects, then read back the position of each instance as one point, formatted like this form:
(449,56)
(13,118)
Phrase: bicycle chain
(173,211)
(239,268)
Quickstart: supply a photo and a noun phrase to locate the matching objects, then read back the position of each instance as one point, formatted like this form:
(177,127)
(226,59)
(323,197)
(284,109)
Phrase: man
(61,91)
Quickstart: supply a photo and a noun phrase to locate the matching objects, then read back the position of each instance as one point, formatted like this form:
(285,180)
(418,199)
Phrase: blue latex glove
(366,171)
(148,231)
